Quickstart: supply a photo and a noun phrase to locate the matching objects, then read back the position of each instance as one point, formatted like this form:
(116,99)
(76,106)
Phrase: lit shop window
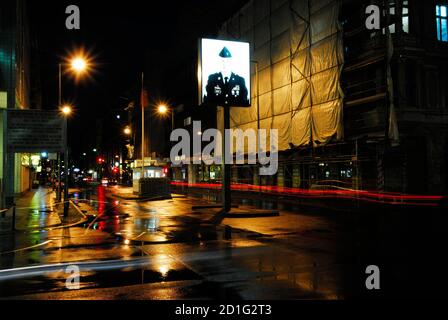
(442,23)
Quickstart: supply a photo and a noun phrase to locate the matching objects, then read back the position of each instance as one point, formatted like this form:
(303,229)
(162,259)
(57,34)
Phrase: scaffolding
(297,46)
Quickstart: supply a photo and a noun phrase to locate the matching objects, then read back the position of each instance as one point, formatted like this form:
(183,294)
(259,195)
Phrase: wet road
(167,242)
(167,250)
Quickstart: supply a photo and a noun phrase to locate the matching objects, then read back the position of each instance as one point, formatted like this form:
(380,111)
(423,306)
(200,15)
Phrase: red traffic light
(100,160)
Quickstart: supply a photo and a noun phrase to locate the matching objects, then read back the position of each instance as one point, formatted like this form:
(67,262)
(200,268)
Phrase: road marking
(97,217)
(78,209)
(140,235)
(150,261)
(27,248)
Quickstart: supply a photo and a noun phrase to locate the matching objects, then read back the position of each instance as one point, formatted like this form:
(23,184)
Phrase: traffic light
(100,160)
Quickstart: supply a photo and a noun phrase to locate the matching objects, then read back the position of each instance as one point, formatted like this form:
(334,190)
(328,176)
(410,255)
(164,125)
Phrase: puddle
(211,233)
(56,282)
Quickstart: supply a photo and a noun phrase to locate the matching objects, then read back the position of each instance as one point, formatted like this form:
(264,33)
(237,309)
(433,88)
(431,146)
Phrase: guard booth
(151,180)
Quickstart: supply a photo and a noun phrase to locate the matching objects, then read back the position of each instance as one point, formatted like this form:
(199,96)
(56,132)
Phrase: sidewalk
(37,209)
(37,212)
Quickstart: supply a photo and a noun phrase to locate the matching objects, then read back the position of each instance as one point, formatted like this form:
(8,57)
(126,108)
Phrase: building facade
(356,108)
(15,91)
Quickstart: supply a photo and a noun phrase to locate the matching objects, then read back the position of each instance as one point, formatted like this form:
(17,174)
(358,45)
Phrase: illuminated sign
(3,99)
(26,160)
(224,73)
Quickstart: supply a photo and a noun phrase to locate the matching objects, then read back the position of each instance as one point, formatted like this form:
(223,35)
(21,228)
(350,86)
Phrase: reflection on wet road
(167,250)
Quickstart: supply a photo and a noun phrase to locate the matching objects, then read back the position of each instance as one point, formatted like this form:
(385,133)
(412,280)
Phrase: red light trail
(368,196)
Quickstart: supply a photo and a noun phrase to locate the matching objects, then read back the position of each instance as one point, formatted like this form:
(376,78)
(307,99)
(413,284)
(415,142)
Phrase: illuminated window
(3,99)
(442,23)
(404,15)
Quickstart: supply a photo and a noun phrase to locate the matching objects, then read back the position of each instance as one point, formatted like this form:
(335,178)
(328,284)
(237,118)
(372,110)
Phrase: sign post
(226,181)
(224,79)
(66,168)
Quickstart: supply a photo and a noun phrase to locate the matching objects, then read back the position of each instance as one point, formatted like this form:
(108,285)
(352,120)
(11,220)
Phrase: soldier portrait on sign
(226,73)
(226,85)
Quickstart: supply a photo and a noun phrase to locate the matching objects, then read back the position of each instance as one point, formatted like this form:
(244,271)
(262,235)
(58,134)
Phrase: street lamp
(127,131)
(79,65)
(163,110)
(66,110)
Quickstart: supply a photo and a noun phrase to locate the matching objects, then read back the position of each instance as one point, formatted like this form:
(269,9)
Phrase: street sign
(34,131)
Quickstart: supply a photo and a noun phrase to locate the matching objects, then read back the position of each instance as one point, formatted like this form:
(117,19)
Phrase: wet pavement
(168,250)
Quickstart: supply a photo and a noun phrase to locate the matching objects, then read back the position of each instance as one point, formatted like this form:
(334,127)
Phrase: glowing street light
(163,109)
(127,131)
(79,65)
(66,110)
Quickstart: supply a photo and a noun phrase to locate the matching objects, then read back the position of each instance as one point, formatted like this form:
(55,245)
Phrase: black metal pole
(226,181)
(66,179)
(59,189)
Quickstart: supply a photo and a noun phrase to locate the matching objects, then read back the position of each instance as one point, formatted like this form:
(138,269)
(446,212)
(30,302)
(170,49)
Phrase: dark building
(417,162)
(19,87)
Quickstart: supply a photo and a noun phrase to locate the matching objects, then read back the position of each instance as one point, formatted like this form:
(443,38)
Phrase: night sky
(124,38)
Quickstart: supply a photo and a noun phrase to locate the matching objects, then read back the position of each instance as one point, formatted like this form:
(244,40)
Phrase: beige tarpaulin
(297,45)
